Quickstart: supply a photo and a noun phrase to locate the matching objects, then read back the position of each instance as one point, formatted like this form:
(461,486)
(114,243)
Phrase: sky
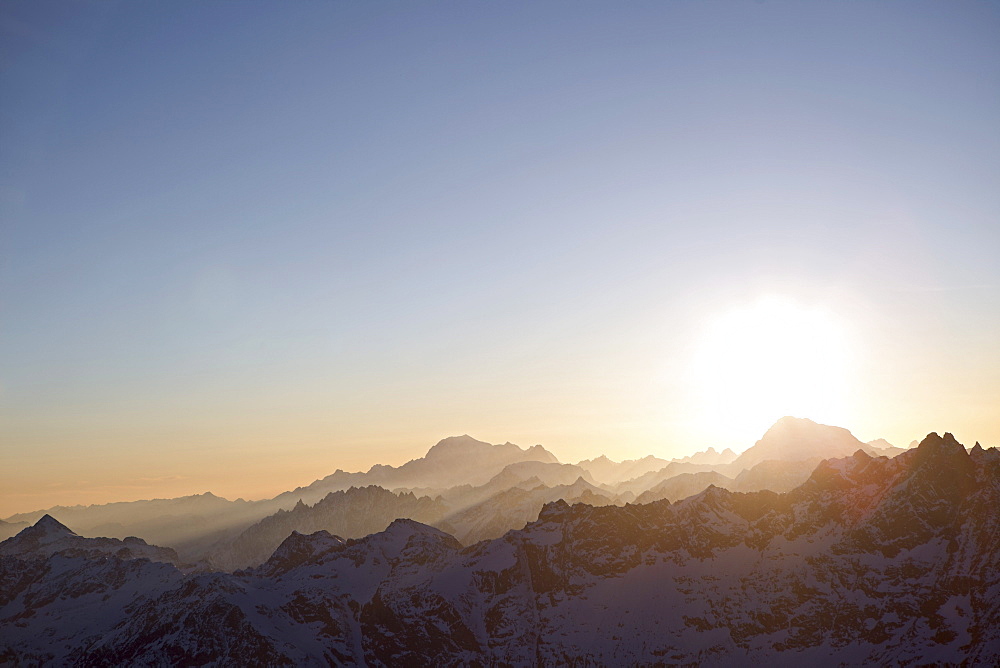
(244,245)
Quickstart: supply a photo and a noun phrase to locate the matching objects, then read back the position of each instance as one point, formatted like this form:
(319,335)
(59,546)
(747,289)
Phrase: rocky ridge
(871,560)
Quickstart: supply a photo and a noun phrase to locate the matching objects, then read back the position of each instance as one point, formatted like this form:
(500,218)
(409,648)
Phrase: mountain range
(469,488)
(870,560)
(464,472)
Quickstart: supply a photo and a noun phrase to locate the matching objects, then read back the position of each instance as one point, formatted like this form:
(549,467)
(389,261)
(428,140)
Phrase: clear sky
(245,244)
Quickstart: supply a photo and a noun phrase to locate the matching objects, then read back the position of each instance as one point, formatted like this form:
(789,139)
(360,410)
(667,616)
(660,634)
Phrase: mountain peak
(455,444)
(298,548)
(791,420)
(542,454)
(466,447)
(553,510)
(937,446)
(799,439)
(712,496)
(947,443)
(938,456)
(49,536)
(403,534)
(51,526)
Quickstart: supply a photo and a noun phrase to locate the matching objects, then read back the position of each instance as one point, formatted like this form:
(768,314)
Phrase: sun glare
(772,358)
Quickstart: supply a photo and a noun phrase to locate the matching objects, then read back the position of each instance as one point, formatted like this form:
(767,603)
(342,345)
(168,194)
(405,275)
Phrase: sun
(774,357)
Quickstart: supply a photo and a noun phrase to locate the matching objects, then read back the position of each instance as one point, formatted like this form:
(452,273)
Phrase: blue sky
(317,235)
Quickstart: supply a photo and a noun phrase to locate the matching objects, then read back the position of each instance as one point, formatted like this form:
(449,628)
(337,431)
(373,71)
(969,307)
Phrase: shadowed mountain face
(684,485)
(353,513)
(515,507)
(870,561)
(772,475)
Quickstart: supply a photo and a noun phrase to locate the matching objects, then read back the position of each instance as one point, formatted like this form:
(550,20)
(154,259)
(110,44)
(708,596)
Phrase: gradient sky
(245,244)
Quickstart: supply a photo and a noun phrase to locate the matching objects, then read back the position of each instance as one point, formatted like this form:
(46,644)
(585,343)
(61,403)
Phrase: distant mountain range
(356,512)
(469,488)
(8,529)
(871,560)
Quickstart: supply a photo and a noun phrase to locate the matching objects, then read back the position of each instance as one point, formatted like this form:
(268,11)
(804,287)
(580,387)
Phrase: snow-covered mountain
(192,525)
(48,536)
(871,561)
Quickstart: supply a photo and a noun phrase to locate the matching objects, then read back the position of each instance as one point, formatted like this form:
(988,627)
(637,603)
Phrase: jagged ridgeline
(471,489)
(870,560)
